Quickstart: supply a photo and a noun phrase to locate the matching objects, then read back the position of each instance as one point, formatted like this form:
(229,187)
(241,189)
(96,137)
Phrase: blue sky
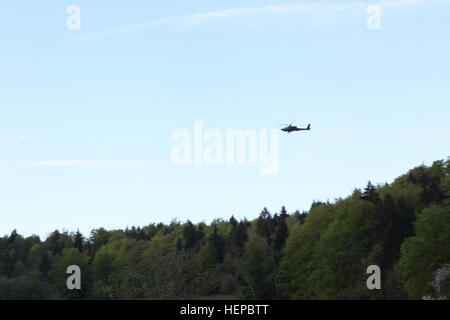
(86,116)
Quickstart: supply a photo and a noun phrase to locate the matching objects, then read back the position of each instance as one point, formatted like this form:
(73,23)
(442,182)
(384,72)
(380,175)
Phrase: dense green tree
(189,235)
(26,288)
(57,274)
(323,253)
(280,233)
(296,265)
(239,235)
(339,256)
(78,241)
(265,225)
(258,269)
(218,243)
(44,265)
(427,251)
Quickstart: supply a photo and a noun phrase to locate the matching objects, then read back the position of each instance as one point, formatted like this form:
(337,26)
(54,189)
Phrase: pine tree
(370,194)
(233,222)
(52,243)
(265,225)
(239,235)
(218,244)
(189,235)
(280,235)
(44,266)
(12,237)
(78,241)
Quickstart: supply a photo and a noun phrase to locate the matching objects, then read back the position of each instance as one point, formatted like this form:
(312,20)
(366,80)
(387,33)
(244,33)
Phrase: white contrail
(22,138)
(89,163)
(301,8)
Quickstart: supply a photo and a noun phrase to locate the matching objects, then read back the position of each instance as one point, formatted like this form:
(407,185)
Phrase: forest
(403,227)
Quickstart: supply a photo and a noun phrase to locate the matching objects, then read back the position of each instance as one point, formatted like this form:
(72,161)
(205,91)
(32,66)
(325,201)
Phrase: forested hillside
(404,227)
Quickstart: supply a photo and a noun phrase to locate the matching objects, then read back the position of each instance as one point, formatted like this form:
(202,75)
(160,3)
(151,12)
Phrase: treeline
(403,227)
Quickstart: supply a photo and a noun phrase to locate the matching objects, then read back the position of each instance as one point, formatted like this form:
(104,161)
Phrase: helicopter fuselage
(292,128)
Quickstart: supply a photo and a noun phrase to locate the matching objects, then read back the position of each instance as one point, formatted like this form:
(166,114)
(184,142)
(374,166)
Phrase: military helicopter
(290,128)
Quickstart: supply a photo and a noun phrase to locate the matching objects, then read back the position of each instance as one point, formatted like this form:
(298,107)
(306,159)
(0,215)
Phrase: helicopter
(290,128)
